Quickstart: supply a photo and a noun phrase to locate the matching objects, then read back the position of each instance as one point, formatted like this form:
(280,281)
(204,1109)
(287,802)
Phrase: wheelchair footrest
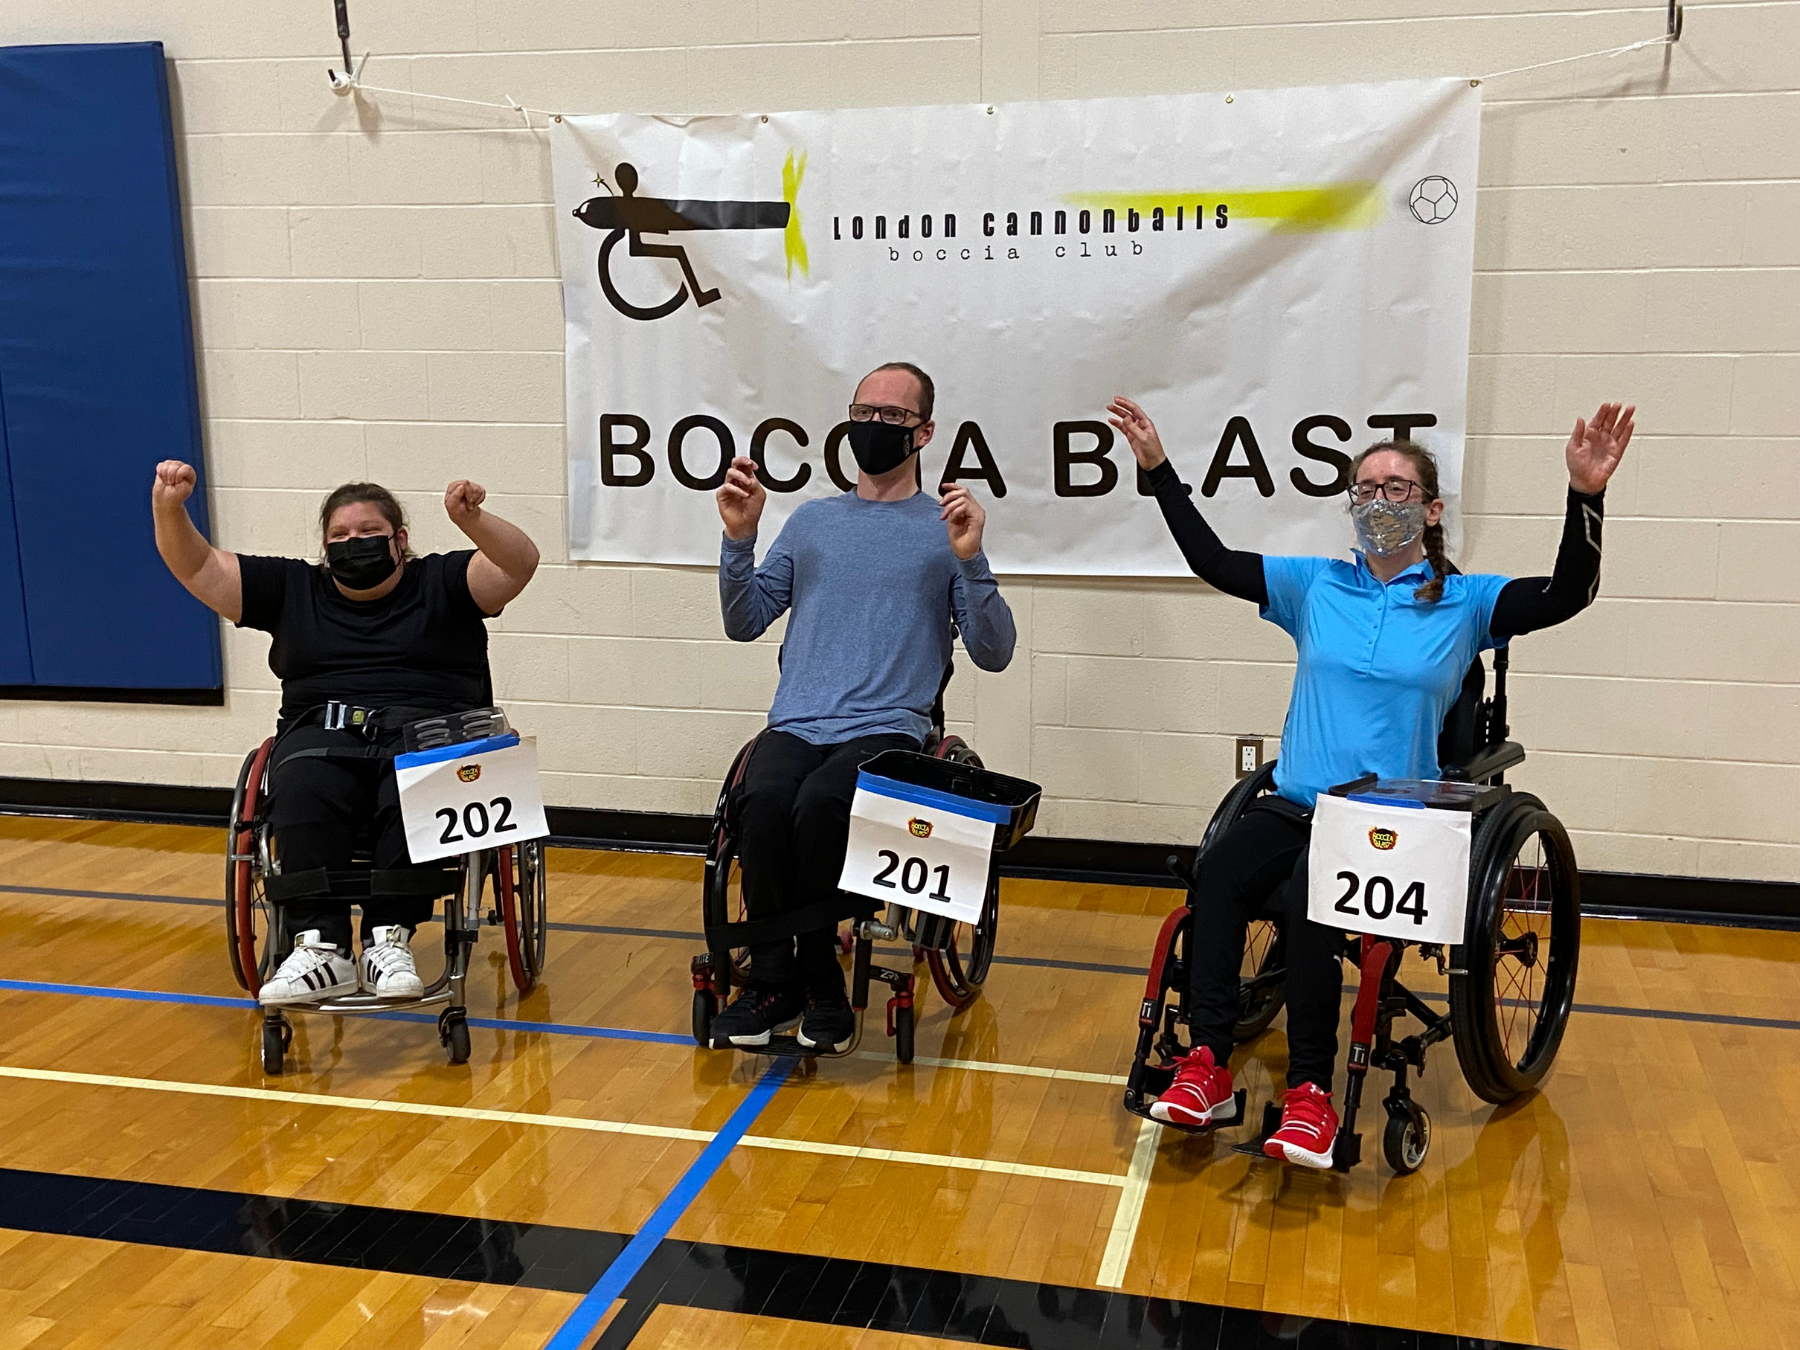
(1139,1105)
(789,1047)
(1346,1149)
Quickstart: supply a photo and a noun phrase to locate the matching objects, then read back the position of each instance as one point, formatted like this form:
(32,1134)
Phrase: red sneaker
(1308,1127)
(1201,1094)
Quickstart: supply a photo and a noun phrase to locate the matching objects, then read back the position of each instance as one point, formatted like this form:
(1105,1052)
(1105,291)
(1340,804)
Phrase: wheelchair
(956,954)
(1511,979)
(258,936)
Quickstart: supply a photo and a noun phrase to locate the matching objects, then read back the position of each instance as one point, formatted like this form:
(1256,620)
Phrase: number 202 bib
(1389,870)
(459,798)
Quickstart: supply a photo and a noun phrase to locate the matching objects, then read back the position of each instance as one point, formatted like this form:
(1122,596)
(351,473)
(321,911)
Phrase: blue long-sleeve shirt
(874,589)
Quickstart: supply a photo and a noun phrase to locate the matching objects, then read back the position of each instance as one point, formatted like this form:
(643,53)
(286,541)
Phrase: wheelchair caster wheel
(453,1031)
(706,1006)
(277,1035)
(903,1034)
(1407,1138)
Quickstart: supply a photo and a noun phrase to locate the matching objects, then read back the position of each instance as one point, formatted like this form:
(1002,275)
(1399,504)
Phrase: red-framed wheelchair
(1511,979)
(957,955)
(258,938)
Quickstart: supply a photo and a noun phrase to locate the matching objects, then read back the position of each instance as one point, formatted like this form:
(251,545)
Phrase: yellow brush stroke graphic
(792,240)
(1351,205)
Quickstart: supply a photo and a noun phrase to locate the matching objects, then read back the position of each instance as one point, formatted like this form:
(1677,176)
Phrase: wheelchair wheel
(1520,950)
(960,969)
(722,889)
(706,1007)
(523,912)
(1260,990)
(248,921)
(1407,1138)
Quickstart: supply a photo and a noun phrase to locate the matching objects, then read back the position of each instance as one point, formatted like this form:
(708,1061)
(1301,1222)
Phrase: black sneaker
(755,1015)
(829,1024)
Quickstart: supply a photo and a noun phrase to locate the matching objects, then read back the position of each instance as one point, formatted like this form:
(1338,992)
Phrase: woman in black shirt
(365,641)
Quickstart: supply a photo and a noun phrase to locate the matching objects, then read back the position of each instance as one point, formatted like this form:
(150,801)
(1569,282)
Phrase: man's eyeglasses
(894,417)
(1394,489)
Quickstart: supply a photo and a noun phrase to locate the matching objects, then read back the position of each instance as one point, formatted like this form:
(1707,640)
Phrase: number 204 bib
(481,794)
(1389,870)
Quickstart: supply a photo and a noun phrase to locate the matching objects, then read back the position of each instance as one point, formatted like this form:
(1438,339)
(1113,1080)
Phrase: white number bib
(481,794)
(1393,871)
(918,847)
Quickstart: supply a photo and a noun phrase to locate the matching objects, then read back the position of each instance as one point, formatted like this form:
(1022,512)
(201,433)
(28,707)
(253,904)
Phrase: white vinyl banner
(1393,871)
(482,794)
(1279,276)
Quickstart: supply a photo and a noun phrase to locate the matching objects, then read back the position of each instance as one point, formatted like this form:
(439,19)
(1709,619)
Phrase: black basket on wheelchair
(1010,803)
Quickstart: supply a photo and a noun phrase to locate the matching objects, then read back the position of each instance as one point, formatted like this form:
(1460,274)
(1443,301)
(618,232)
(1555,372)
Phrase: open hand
(1597,446)
(1139,431)
(173,484)
(462,502)
(963,520)
(741,499)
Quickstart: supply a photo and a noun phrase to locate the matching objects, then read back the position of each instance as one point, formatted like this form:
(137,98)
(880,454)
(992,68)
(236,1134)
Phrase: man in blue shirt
(875,579)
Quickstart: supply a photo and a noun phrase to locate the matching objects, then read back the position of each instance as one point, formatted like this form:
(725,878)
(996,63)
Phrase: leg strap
(360,883)
(756,932)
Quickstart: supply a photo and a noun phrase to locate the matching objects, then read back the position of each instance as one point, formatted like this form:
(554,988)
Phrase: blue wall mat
(97,364)
(15,643)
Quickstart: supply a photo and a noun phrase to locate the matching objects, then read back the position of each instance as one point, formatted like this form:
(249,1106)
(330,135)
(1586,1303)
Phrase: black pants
(317,807)
(793,813)
(1262,855)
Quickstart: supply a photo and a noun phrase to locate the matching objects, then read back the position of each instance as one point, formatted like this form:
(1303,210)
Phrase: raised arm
(750,597)
(1593,453)
(1229,570)
(507,557)
(210,574)
(983,617)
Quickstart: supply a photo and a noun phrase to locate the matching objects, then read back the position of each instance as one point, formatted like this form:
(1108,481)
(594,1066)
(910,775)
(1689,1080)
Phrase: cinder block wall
(376,295)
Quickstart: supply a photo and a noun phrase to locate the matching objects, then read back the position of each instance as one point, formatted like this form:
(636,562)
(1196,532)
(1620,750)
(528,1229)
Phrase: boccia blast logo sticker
(921,828)
(1384,839)
(469,772)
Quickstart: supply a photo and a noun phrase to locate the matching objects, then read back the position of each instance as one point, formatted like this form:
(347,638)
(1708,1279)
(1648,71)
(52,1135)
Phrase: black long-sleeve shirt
(1524,603)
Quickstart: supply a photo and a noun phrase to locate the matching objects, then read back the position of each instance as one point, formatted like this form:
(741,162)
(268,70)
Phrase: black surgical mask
(361,564)
(879,447)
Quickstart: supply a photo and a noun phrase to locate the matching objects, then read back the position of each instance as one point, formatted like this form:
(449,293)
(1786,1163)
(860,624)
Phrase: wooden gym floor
(157,1190)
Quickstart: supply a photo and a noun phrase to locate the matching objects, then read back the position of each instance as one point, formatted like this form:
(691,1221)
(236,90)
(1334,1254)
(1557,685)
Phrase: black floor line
(1035,962)
(980,1310)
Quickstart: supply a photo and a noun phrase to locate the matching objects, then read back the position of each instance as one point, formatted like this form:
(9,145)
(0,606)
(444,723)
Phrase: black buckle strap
(819,914)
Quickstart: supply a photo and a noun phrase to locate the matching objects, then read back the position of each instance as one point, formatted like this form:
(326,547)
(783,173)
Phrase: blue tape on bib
(1372,800)
(991,812)
(466,750)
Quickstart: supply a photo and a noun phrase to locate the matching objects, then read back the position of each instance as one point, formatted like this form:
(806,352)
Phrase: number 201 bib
(921,848)
(459,798)
(1393,871)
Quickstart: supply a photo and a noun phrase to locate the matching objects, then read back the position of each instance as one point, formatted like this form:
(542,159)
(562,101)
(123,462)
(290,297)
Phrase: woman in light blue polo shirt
(1383,644)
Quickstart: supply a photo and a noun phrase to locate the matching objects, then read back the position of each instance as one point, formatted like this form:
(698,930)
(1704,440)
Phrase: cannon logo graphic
(469,772)
(629,216)
(921,828)
(1384,839)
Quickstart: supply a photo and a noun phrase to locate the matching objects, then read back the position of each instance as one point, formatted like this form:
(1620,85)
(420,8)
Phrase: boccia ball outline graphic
(1426,209)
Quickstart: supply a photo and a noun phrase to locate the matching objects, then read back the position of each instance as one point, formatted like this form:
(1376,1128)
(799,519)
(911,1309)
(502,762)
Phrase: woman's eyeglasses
(894,417)
(1394,489)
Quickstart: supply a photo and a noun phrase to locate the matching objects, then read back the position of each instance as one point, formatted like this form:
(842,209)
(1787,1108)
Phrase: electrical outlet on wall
(1249,755)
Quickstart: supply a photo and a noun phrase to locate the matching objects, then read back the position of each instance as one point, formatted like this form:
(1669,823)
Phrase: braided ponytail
(1425,465)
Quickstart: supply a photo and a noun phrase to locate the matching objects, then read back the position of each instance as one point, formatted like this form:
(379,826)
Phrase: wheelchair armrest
(1486,763)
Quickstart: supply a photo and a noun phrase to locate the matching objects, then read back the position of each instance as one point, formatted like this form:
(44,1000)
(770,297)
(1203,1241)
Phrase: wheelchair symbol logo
(921,828)
(629,216)
(469,772)
(1384,839)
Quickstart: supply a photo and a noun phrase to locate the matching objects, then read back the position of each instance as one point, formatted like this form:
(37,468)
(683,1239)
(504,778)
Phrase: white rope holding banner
(353,83)
(1661,40)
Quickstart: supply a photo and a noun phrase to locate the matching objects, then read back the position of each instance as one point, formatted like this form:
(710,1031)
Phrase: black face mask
(879,448)
(361,564)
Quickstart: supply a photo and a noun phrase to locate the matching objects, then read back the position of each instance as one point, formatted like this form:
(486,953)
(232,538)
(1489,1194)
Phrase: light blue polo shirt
(1378,670)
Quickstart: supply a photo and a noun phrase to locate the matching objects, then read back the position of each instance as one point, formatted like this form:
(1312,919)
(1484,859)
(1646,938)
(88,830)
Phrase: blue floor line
(217,1001)
(580,1323)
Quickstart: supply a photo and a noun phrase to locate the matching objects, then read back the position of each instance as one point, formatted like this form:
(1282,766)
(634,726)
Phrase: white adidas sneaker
(313,970)
(387,965)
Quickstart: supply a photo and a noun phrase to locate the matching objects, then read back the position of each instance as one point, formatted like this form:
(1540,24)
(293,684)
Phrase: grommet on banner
(1230,97)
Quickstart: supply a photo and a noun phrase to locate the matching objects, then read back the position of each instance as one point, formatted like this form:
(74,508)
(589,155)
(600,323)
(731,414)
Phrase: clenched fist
(741,499)
(462,502)
(173,484)
(963,520)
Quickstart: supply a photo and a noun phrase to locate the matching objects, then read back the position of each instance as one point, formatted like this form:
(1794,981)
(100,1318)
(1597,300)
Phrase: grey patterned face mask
(1385,528)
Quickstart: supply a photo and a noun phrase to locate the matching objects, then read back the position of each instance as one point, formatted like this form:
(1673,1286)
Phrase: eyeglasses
(1394,489)
(894,417)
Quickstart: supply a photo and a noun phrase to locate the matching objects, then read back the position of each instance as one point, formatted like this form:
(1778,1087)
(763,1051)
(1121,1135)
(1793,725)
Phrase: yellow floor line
(992,1165)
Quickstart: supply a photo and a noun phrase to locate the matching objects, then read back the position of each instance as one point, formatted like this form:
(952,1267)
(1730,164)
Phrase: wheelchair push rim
(523,914)
(960,969)
(1522,947)
(250,957)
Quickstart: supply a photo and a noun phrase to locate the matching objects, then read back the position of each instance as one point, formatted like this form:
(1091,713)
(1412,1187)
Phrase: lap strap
(363,883)
(756,932)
